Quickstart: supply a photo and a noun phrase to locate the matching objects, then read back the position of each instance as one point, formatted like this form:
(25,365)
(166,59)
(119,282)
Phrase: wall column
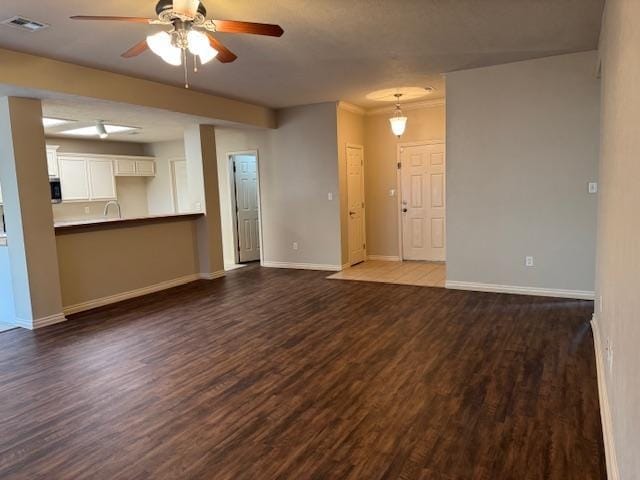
(202,179)
(31,237)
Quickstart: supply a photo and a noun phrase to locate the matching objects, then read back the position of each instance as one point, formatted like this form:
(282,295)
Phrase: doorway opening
(244,181)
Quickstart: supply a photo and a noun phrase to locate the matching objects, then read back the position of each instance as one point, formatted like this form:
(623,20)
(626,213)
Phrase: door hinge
(362,204)
(399,165)
(364,246)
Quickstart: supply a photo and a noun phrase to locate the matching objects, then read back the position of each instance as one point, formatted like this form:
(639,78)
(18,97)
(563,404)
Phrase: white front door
(355,200)
(246,189)
(423,202)
(180,186)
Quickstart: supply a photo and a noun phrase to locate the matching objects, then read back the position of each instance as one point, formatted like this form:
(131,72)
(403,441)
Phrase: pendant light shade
(160,43)
(399,120)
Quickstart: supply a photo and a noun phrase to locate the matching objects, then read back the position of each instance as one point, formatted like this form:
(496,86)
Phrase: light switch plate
(392,192)
(329,196)
(528,261)
(593,187)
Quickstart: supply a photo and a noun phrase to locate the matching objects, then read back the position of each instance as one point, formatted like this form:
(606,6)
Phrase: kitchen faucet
(108,204)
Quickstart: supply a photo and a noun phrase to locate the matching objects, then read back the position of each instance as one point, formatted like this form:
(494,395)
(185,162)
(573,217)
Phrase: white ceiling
(331,49)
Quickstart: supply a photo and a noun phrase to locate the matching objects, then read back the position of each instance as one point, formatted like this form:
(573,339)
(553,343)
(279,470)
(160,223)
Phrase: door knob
(404,210)
(352,213)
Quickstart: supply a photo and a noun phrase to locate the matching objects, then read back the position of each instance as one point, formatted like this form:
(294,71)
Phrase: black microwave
(56,190)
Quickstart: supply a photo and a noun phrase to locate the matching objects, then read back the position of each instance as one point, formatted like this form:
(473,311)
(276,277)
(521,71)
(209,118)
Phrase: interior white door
(180,188)
(423,202)
(247,215)
(355,200)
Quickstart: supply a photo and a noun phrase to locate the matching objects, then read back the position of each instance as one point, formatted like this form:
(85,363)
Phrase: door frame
(364,208)
(400,146)
(174,190)
(232,193)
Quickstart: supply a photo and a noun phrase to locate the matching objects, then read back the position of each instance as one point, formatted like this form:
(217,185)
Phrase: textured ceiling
(331,49)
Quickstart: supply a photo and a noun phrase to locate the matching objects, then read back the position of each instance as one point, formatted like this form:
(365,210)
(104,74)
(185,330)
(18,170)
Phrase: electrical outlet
(528,261)
(295,245)
(87,210)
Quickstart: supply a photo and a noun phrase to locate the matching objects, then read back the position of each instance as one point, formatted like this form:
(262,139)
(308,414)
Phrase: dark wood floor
(282,374)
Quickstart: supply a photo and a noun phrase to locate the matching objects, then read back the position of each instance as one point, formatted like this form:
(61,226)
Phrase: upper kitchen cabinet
(134,167)
(102,182)
(86,178)
(52,160)
(74,178)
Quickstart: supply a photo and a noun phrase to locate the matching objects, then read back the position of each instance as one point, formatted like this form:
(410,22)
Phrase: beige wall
(229,140)
(43,74)
(618,264)
(381,152)
(350,132)
(160,187)
(522,145)
(99,263)
(298,169)
(27,210)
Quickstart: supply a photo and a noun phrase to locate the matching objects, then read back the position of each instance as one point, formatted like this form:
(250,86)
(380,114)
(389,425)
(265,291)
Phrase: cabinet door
(52,161)
(145,168)
(102,185)
(125,167)
(74,179)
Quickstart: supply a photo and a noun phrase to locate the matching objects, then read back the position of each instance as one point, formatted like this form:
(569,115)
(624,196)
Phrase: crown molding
(350,107)
(434,102)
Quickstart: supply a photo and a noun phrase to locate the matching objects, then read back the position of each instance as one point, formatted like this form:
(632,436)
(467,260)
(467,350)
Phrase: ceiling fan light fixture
(102,132)
(160,43)
(199,45)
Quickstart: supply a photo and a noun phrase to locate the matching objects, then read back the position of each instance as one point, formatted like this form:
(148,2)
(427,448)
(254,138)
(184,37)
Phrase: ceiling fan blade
(117,19)
(224,54)
(231,26)
(186,7)
(136,50)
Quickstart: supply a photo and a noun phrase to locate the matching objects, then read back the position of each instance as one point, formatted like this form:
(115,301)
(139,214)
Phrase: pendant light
(399,120)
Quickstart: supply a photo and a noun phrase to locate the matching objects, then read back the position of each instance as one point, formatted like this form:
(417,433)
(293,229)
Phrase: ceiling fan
(190,32)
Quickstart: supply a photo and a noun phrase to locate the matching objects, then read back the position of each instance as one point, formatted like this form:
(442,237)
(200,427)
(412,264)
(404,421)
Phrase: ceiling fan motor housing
(164,5)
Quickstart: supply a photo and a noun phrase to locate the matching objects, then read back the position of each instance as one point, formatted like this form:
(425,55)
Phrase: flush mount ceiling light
(49,122)
(190,32)
(399,120)
(100,129)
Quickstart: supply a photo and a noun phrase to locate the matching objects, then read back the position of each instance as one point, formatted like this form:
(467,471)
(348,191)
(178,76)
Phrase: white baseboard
(384,258)
(119,297)
(605,409)
(539,292)
(39,322)
(302,266)
(212,276)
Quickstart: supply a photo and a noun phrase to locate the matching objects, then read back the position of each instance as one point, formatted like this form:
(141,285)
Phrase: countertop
(74,225)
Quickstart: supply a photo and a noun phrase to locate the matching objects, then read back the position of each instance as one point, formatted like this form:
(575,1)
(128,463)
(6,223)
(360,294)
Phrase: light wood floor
(422,274)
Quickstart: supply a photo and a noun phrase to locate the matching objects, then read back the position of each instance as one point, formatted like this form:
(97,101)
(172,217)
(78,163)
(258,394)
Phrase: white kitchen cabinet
(74,178)
(52,160)
(145,168)
(102,185)
(125,167)
(134,167)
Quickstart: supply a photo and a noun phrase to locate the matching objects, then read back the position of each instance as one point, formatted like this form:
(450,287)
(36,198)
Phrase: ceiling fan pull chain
(186,69)
(195,64)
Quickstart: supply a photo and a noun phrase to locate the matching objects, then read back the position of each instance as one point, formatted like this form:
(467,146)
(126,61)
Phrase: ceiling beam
(40,73)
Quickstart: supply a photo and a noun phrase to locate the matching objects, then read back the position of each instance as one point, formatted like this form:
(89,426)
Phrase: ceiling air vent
(24,24)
